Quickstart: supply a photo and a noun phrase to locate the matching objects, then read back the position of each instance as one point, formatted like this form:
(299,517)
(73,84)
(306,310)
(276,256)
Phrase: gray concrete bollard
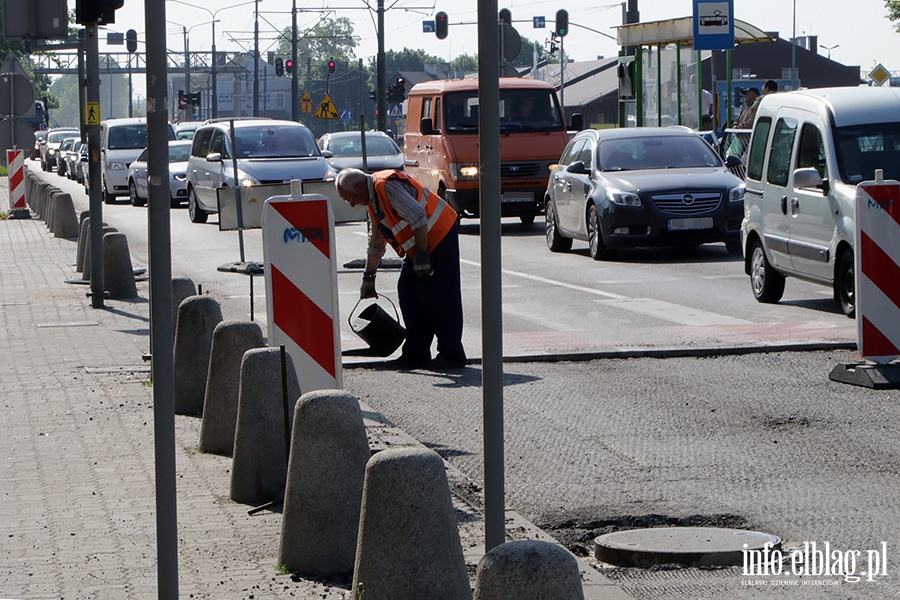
(84,234)
(182,288)
(329,452)
(86,266)
(197,320)
(65,221)
(259,468)
(231,339)
(118,274)
(51,206)
(408,546)
(528,569)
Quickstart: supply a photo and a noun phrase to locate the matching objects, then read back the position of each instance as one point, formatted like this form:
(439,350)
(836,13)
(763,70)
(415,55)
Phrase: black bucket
(383,333)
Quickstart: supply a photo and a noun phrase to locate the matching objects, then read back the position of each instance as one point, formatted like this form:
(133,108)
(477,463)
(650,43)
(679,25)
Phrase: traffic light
(289,66)
(391,93)
(400,90)
(100,12)
(331,65)
(372,96)
(279,66)
(562,22)
(505,16)
(440,25)
(182,99)
(195,98)
(131,40)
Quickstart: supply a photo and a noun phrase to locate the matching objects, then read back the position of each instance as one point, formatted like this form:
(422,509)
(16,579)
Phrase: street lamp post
(214,58)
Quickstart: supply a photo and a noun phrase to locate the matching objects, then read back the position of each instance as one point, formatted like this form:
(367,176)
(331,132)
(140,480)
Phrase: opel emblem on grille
(687,199)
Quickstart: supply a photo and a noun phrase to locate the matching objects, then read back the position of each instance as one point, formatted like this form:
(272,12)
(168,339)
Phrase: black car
(642,186)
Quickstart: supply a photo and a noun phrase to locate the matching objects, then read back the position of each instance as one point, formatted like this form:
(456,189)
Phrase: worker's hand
(367,289)
(422,264)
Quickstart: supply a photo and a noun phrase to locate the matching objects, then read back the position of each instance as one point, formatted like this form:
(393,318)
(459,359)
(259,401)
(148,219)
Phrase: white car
(139,191)
(268,151)
(121,142)
(808,152)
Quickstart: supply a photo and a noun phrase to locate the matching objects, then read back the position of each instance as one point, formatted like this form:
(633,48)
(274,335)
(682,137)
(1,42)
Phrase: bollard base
(19,213)
(876,377)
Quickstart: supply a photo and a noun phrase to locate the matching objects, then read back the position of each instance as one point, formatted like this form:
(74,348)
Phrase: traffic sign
(395,110)
(713,24)
(879,74)
(327,109)
(306,103)
(538,22)
(93,113)
(347,116)
(16,95)
(428,26)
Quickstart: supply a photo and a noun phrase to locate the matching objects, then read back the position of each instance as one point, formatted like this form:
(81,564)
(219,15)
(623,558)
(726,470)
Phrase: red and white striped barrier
(301,287)
(16,161)
(878,269)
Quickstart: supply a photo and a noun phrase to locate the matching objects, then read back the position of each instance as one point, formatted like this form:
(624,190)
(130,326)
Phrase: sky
(857,33)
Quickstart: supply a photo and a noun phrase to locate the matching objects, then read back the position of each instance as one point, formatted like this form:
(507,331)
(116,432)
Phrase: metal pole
(92,85)
(562,74)
(491,293)
(187,74)
(130,89)
(295,89)
(161,320)
(380,77)
(256,58)
(81,90)
(215,72)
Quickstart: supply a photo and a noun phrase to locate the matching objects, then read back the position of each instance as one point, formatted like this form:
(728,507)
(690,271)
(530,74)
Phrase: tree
(329,38)
(465,62)
(893,7)
(408,60)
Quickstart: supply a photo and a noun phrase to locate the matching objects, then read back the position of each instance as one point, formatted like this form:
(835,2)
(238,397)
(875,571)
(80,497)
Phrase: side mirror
(577,168)
(577,121)
(327,153)
(807,178)
(427,127)
(732,161)
(214,157)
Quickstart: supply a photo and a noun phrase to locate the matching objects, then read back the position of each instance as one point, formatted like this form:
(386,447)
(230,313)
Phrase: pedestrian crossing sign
(306,103)
(327,109)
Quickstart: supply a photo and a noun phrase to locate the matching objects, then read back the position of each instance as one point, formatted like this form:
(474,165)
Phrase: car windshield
(520,110)
(863,148)
(352,146)
(179,153)
(58,136)
(275,142)
(656,152)
(127,137)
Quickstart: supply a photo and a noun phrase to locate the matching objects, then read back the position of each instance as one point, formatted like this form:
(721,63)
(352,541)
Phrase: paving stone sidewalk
(77,491)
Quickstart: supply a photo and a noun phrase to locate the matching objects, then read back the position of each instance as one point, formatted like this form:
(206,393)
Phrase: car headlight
(463,171)
(51,151)
(247,181)
(736,194)
(330,174)
(180,176)
(115,166)
(623,198)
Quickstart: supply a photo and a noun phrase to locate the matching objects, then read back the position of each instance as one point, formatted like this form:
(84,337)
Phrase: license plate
(695,223)
(518,197)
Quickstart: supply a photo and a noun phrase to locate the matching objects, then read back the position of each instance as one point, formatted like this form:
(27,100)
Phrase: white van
(808,151)
(121,142)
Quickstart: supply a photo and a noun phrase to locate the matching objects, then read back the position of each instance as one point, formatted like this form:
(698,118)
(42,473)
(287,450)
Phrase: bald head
(353,186)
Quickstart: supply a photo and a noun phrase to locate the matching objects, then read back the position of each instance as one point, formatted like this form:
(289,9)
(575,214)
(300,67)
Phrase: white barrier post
(877,285)
(301,286)
(16,161)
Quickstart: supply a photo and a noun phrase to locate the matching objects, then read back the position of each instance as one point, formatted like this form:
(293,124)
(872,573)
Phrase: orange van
(441,142)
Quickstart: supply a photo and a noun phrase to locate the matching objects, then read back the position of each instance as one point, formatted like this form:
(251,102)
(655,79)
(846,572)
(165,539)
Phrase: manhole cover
(689,546)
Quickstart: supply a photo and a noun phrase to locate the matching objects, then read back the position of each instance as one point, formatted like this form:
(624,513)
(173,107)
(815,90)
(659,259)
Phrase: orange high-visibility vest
(395,229)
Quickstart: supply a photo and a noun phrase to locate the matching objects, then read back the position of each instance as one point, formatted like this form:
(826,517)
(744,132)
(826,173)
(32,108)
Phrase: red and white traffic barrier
(878,269)
(301,287)
(15,159)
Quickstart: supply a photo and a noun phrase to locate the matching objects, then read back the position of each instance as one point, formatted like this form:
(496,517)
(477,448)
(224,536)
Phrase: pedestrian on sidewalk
(423,229)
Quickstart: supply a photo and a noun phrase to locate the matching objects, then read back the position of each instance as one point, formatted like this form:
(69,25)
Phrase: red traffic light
(289,66)
(331,66)
(441,21)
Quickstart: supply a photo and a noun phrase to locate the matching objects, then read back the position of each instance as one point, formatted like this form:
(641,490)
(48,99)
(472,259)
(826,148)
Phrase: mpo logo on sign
(307,234)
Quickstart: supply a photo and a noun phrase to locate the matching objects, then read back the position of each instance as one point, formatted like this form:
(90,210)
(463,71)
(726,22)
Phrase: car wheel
(133,195)
(596,246)
(526,219)
(767,283)
(107,197)
(845,283)
(196,213)
(555,241)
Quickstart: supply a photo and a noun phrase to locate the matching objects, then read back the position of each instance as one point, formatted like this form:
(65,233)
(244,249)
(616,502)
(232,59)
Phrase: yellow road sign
(880,74)
(327,109)
(93,113)
(306,103)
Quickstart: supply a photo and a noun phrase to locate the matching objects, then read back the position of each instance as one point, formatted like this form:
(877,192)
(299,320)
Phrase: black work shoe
(443,363)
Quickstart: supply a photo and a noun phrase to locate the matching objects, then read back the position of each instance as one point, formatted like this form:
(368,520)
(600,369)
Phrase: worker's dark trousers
(432,306)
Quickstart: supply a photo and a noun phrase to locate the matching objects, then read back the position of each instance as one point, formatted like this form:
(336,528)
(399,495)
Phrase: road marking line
(563,284)
(675,313)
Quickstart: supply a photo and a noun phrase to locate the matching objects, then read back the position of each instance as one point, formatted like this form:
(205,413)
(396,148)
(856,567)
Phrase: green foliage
(329,38)
(408,60)
(893,7)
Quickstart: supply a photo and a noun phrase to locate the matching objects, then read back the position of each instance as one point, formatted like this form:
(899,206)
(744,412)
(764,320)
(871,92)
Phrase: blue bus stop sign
(713,24)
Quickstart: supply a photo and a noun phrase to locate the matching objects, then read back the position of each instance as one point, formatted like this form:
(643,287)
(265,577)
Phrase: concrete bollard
(322,501)
(197,319)
(118,274)
(259,468)
(51,206)
(408,546)
(231,339)
(86,267)
(182,288)
(46,189)
(65,221)
(84,234)
(528,569)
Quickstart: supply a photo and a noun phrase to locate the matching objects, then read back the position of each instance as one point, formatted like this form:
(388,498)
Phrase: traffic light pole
(380,77)
(92,88)
(295,89)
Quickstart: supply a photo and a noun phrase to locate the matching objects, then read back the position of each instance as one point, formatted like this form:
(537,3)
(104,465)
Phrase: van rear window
(862,149)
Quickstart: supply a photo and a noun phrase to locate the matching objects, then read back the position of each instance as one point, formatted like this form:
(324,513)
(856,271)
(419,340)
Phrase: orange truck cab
(441,142)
